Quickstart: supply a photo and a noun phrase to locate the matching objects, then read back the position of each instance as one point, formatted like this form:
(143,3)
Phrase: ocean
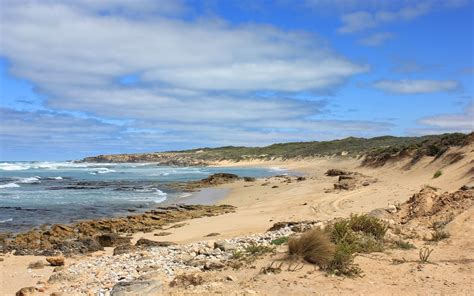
(37,193)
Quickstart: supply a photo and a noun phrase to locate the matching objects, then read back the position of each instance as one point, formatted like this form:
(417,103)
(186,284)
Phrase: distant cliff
(376,151)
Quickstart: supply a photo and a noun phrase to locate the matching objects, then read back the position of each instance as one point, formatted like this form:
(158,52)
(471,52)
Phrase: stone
(224,246)
(213,265)
(391,209)
(59,268)
(230,278)
(27,291)
(164,233)
(213,234)
(143,242)
(365,183)
(337,172)
(124,249)
(62,276)
(111,239)
(56,261)
(137,288)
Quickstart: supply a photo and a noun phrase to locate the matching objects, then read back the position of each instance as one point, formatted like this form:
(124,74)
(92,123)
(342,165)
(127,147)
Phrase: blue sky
(86,77)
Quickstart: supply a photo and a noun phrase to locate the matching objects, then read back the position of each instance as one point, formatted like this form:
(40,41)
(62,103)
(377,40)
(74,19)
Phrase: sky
(86,77)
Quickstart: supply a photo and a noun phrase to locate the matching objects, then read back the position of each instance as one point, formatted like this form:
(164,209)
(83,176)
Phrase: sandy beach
(265,201)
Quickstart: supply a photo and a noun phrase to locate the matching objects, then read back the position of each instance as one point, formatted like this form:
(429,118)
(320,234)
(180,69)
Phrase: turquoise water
(36,193)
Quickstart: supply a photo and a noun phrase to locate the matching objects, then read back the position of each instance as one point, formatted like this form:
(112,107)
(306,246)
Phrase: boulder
(27,291)
(56,261)
(224,246)
(137,288)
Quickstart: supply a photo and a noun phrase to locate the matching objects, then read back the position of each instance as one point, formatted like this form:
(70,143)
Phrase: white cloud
(416,86)
(362,20)
(457,122)
(376,39)
(76,47)
(204,73)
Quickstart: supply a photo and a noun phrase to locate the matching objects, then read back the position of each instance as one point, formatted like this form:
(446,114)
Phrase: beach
(307,195)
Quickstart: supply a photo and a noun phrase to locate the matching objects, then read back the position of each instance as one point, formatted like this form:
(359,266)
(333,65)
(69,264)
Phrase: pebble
(100,275)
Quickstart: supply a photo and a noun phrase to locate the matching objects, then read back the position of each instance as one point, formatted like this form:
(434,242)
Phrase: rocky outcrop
(348,180)
(212,180)
(90,236)
(164,159)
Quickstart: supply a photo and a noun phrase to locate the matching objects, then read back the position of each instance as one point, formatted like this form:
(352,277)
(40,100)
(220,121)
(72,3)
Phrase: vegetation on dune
(377,150)
(416,148)
(313,246)
(437,174)
(333,249)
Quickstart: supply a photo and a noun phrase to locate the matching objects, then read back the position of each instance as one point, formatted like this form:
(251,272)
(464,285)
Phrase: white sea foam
(9,185)
(5,166)
(6,220)
(278,169)
(30,180)
(102,171)
(161,196)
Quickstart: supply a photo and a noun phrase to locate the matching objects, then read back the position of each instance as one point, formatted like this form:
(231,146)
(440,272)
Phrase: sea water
(36,193)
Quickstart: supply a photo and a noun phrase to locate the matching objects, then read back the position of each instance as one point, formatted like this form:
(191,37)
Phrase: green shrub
(438,235)
(255,249)
(279,241)
(342,263)
(400,244)
(437,174)
(368,225)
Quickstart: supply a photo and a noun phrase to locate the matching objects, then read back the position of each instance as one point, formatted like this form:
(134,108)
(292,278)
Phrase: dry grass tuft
(313,246)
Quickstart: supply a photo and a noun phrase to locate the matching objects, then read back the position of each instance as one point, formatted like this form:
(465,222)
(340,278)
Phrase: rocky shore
(90,236)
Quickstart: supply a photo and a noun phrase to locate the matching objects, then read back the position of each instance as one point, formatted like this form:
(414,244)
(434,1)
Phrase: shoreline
(266,201)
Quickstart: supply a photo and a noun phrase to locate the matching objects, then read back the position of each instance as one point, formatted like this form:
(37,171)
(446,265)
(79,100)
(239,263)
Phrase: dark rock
(162,233)
(137,288)
(143,242)
(124,249)
(27,291)
(56,261)
(112,239)
(344,186)
(213,265)
(345,177)
(213,234)
(299,179)
(337,172)
(220,178)
(249,179)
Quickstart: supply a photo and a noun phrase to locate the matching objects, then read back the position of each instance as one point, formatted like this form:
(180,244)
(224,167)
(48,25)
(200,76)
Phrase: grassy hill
(377,150)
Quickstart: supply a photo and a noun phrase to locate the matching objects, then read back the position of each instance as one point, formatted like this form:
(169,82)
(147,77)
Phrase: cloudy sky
(84,77)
